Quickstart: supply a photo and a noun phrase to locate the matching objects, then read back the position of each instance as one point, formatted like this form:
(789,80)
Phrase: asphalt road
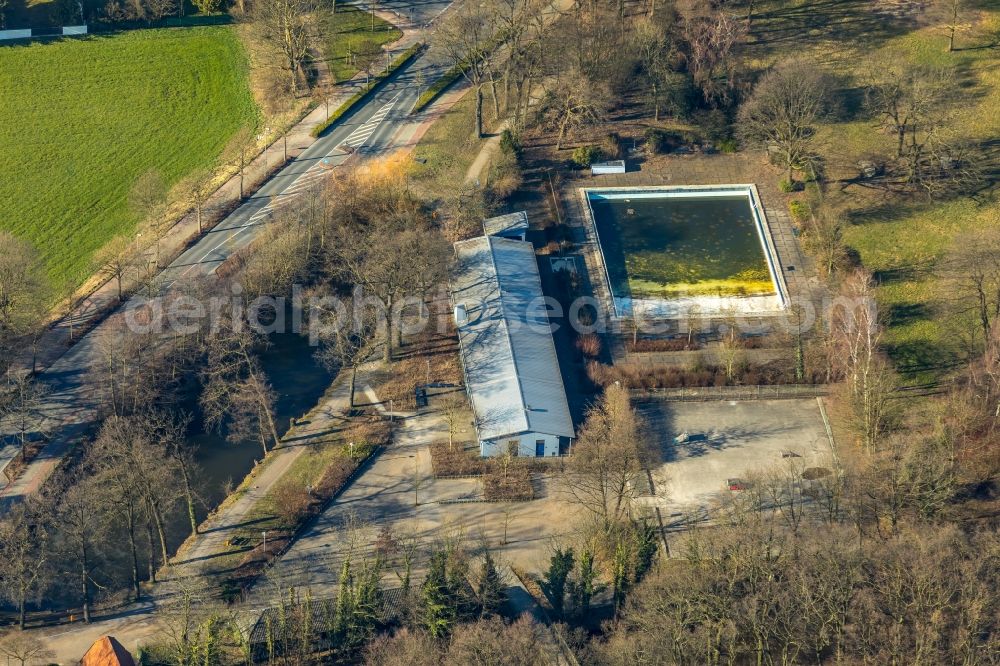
(376,127)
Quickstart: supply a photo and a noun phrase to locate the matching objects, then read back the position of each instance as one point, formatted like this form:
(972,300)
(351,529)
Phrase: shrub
(584,156)
(661,345)
(612,146)
(800,210)
(455,460)
(508,481)
(786,186)
(714,125)
(728,146)
(589,345)
(662,141)
(291,504)
(509,143)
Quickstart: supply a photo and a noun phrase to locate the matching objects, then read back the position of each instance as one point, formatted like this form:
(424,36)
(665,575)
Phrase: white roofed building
(508,354)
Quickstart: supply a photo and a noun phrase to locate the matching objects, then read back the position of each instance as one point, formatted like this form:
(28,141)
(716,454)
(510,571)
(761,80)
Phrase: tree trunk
(188,495)
(130,516)
(493,93)
(84,577)
(387,356)
(161,533)
(354,377)
(479,111)
(21,614)
(152,552)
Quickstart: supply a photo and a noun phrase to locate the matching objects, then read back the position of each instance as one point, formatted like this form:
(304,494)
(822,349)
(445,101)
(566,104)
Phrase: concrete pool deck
(800,275)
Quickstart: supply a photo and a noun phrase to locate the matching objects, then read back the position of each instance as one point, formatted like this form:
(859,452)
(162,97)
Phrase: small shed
(614,166)
(512,225)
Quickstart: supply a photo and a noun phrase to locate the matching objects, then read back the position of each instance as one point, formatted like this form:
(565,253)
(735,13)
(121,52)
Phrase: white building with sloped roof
(508,354)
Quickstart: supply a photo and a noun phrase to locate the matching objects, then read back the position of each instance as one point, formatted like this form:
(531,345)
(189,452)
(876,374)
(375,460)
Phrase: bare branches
(782,112)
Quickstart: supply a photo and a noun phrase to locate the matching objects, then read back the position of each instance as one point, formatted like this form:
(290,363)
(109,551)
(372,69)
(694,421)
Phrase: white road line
(304,180)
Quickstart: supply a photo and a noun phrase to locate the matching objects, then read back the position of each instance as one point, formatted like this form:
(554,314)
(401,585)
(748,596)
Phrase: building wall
(526,445)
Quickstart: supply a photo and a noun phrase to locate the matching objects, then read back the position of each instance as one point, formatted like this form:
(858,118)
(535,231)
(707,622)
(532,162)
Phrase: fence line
(755,392)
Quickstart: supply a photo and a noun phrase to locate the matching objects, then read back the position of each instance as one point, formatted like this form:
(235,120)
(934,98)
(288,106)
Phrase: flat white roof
(509,357)
(504,224)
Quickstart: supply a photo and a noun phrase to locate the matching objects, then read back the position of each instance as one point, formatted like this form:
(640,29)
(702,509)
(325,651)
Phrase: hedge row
(404,58)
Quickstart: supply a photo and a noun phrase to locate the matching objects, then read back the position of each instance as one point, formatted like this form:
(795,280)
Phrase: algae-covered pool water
(678,246)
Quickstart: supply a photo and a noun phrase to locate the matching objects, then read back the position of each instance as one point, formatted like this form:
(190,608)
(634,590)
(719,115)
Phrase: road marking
(358,137)
(305,180)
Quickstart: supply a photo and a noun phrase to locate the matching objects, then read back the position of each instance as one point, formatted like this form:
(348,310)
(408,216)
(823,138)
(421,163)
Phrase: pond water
(675,246)
(297,380)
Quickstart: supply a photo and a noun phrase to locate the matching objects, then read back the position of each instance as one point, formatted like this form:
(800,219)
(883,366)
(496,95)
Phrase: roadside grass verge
(899,238)
(82,119)
(347,34)
(449,147)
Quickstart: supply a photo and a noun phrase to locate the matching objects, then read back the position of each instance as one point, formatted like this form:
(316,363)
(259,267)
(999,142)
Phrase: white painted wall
(15,34)
(74,30)
(525,448)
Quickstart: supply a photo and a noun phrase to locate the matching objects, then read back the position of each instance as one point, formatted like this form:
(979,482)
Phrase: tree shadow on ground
(844,21)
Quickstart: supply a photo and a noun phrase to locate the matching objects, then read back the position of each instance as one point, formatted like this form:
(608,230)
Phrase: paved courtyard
(729,439)
(397,493)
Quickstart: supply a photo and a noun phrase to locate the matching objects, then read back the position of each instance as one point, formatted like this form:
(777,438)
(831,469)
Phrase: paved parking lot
(729,439)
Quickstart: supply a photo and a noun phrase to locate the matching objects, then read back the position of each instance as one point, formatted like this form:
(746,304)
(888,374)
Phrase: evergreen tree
(554,583)
(492,595)
(438,602)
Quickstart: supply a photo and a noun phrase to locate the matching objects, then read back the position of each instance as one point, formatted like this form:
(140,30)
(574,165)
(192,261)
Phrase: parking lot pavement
(728,440)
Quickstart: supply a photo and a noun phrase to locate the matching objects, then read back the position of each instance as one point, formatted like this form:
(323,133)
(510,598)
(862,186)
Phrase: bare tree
(24,554)
(971,278)
(284,23)
(572,102)
(608,459)
(236,388)
(23,403)
(148,201)
(909,101)
(116,259)
(467,37)
(390,250)
(782,111)
(82,523)
(25,291)
(24,648)
(712,53)
(197,189)
(857,330)
(239,153)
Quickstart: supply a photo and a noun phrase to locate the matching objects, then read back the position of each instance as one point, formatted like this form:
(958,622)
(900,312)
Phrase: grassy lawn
(448,148)
(900,239)
(349,32)
(82,119)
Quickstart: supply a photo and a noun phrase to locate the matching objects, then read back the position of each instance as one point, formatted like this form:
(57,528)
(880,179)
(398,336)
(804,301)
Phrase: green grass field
(900,239)
(348,32)
(82,119)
